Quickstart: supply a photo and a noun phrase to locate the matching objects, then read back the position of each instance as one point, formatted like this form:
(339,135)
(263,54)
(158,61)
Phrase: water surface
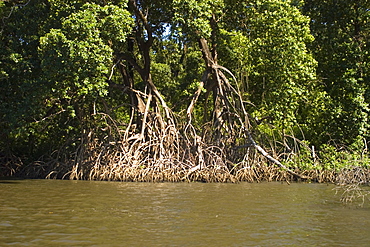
(88,213)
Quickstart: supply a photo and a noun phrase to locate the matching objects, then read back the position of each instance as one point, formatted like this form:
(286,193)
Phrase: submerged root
(353,194)
(353,185)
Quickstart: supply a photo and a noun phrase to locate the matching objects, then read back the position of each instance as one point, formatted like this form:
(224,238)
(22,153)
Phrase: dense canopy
(180,84)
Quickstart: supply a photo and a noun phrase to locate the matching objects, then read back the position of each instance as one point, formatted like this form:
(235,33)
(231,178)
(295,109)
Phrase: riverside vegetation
(183,90)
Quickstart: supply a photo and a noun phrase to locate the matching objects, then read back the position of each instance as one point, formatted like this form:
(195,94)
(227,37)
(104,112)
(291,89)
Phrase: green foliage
(283,72)
(20,93)
(57,65)
(337,159)
(269,55)
(192,17)
(77,57)
(304,64)
(327,157)
(341,31)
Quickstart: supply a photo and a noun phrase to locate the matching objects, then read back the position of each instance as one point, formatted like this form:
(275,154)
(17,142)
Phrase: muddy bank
(170,173)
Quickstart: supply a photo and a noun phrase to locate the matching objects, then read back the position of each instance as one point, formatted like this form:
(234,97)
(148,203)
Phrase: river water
(90,213)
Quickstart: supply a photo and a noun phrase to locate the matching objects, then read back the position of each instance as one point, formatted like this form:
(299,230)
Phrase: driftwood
(273,160)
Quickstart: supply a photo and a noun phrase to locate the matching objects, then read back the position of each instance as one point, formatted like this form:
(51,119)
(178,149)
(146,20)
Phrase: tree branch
(130,60)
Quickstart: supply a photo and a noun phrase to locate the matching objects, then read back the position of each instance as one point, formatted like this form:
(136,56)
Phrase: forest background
(93,89)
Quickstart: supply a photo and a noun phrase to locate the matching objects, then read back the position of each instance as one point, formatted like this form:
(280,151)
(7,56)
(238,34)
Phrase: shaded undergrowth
(170,156)
(154,145)
(163,152)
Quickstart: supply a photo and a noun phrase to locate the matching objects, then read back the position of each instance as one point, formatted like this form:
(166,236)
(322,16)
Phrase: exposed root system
(353,194)
(156,146)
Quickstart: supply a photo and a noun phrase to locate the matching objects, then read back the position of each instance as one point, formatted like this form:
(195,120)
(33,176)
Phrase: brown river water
(91,213)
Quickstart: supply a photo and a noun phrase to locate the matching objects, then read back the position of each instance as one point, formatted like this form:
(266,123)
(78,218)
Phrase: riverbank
(169,173)
(349,180)
(205,165)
